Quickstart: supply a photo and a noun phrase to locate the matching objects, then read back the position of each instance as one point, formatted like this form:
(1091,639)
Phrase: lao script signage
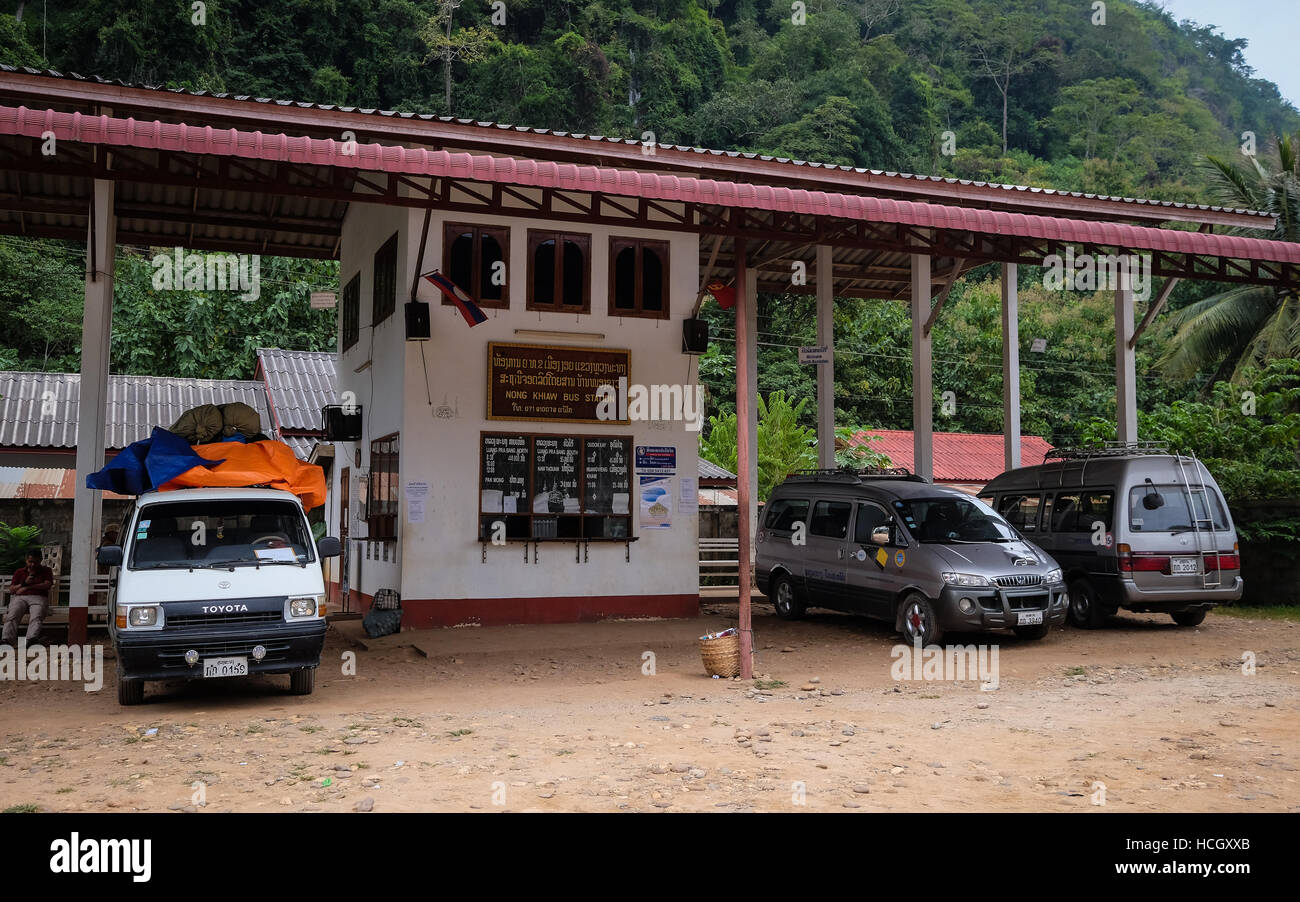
(553,383)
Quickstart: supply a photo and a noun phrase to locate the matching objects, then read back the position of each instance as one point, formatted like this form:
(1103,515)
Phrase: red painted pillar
(745,413)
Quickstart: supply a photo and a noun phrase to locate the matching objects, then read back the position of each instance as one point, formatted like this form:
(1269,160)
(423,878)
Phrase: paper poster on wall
(656,496)
(660,460)
(416,493)
(688,498)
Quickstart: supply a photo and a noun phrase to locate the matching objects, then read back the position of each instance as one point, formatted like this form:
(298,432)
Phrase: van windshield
(953,520)
(1168,508)
(207,533)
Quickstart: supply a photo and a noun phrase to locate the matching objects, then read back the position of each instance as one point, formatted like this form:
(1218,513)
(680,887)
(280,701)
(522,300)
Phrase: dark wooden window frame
(535,238)
(352,312)
(383,498)
(452,231)
(383,280)
(639,246)
(582,488)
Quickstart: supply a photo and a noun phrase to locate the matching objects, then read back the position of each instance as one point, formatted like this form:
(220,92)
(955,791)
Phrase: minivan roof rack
(850,474)
(1107,449)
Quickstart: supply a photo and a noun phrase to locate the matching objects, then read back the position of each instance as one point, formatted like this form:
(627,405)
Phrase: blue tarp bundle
(147,464)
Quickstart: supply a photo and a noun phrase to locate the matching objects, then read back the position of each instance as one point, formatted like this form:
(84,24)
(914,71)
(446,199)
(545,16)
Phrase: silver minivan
(1133,526)
(888,544)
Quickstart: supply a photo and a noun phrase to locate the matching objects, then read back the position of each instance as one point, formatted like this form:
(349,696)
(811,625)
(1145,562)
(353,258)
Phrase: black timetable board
(555,474)
(606,472)
(505,470)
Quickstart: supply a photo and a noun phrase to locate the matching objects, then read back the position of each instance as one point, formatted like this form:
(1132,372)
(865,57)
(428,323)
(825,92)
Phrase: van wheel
(129,692)
(917,622)
(1086,611)
(1189,618)
(785,599)
(302,681)
(1033,632)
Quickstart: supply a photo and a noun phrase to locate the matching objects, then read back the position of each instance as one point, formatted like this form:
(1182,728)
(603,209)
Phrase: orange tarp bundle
(256,463)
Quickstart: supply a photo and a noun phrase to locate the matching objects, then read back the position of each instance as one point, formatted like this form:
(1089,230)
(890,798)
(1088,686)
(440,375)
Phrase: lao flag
(464,303)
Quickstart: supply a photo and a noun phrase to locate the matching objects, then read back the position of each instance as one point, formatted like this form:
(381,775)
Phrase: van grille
(190,621)
(1027,602)
(173,656)
(1018,580)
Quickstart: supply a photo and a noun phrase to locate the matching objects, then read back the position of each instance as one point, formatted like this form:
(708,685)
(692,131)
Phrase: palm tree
(1249,325)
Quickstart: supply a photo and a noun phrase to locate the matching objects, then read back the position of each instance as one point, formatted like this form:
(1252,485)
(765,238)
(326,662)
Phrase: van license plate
(1029,618)
(225,667)
(1184,565)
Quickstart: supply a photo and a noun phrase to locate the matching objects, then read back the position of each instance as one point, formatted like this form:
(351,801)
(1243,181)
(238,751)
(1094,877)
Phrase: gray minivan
(1133,526)
(888,544)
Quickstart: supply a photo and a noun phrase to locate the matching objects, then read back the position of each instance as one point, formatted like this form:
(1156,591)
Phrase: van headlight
(305,606)
(965,579)
(142,616)
(1053,577)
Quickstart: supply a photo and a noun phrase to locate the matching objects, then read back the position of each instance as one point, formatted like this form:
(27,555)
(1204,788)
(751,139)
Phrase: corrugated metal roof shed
(958,456)
(300,383)
(39,410)
(709,470)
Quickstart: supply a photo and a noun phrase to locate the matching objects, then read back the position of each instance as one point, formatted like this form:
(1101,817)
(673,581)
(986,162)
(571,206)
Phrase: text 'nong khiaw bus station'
(475,470)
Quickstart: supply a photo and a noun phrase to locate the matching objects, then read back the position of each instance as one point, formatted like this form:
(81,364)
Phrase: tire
(785,598)
(1086,611)
(1189,618)
(302,681)
(1033,632)
(129,692)
(917,620)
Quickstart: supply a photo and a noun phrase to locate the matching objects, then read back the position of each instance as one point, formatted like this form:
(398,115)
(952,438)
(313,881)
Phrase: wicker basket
(721,656)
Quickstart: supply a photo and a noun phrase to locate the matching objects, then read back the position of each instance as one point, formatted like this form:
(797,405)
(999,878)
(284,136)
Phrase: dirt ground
(1142,716)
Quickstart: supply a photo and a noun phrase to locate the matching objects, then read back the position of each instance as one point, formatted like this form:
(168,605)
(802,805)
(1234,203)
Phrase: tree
(784,446)
(467,44)
(1249,325)
(1007,48)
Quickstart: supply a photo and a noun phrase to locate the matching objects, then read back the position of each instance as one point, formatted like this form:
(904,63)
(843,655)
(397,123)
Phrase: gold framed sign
(557,383)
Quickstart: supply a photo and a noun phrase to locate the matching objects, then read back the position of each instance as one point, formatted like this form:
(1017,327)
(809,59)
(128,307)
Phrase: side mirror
(1153,501)
(881,535)
(328,546)
(109,555)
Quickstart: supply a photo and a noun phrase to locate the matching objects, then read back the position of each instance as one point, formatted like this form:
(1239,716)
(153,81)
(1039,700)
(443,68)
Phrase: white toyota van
(216,583)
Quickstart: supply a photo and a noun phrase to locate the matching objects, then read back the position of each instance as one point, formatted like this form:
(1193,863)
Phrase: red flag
(724,294)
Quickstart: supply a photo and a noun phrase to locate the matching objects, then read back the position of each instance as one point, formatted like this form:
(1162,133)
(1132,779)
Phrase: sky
(1271,26)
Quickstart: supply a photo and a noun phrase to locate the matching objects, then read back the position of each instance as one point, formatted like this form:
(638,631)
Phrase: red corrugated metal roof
(568,176)
(958,456)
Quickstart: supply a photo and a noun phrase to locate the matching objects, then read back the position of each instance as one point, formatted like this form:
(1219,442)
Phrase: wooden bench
(57,612)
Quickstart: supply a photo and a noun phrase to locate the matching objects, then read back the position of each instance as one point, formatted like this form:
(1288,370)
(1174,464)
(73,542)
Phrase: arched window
(559,276)
(638,278)
(475,258)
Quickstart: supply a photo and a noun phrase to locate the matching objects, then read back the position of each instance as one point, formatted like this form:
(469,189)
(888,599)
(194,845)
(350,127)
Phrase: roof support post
(1011,365)
(922,370)
(826,371)
(92,407)
(1125,359)
(746,446)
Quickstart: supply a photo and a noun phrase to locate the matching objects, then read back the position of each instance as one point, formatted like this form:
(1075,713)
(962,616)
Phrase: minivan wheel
(785,599)
(302,681)
(917,621)
(129,692)
(1086,611)
(1189,618)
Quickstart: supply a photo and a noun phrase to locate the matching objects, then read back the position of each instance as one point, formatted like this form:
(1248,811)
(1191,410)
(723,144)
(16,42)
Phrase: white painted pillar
(922,370)
(826,371)
(1010,366)
(1125,361)
(96,332)
(751,380)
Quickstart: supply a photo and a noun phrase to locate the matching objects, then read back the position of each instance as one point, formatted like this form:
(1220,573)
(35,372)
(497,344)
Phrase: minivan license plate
(1029,618)
(225,667)
(1183,565)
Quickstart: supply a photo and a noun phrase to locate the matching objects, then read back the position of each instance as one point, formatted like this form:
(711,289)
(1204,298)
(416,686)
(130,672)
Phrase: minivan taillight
(1223,561)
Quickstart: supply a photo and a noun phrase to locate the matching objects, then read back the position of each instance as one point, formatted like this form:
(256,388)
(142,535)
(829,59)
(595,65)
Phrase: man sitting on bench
(29,594)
